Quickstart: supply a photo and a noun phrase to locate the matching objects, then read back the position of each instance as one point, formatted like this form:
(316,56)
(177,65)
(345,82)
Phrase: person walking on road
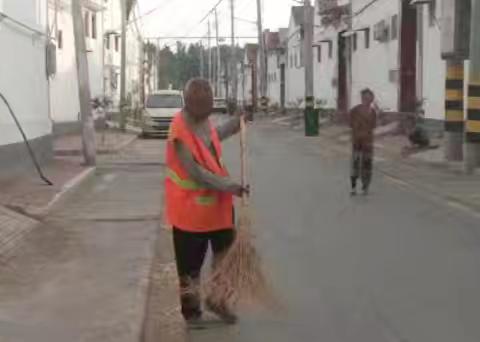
(363,120)
(199,195)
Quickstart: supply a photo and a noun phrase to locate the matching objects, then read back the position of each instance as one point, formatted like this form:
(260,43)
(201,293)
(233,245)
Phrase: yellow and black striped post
(472,127)
(473,113)
(454,110)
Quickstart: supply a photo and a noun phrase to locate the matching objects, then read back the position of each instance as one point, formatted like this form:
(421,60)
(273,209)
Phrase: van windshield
(164,101)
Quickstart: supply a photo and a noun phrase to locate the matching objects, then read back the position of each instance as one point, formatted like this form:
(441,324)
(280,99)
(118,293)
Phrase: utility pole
(454,111)
(123,66)
(202,61)
(233,56)
(157,66)
(210,64)
(472,134)
(219,61)
(88,128)
(262,74)
(455,31)
(311,120)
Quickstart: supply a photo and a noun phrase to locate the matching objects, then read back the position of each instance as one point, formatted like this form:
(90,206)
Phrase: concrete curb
(19,223)
(67,191)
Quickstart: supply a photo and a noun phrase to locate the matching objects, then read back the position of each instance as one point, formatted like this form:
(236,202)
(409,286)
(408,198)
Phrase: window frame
(86,23)
(59,39)
(93,19)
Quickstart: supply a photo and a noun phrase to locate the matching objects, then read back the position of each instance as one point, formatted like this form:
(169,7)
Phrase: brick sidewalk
(13,227)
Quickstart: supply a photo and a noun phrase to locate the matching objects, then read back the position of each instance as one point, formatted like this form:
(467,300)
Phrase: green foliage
(176,66)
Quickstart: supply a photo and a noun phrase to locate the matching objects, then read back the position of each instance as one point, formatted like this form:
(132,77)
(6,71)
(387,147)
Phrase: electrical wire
(210,12)
(150,12)
(24,136)
(363,9)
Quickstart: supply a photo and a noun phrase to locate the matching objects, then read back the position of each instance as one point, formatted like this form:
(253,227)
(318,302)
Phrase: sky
(182,17)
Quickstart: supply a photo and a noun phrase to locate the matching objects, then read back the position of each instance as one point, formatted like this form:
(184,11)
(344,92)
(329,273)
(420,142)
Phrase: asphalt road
(395,266)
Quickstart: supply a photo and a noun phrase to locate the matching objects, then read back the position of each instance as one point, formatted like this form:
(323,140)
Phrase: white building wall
(134,57)
(273,78)
(371,67)
(325,78)
(432,77)
(112,25)
(95,51)
(295,73)
(63,85)
(22,69)
(65,105)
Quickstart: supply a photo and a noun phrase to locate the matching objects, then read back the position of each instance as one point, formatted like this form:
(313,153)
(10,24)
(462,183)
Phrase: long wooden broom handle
(243,155)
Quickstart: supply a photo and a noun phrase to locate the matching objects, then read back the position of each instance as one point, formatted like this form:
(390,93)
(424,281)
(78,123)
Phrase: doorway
(408,58)
(282,86)
(342,90)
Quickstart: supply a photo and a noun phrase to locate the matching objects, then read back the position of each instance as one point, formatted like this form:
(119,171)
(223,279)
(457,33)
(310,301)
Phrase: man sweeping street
(199,195)
(363,120)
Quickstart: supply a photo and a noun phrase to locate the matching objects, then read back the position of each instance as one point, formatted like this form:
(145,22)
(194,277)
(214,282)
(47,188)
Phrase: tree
(177,67)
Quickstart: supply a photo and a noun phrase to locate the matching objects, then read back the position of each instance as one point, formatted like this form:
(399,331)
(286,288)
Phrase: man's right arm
(201,175)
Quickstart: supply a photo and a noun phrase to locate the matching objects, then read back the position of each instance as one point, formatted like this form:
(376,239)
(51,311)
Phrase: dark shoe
(353,192)
(222,312)
(195,322)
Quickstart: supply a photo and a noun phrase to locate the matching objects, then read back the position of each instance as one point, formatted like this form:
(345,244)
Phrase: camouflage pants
(362,163)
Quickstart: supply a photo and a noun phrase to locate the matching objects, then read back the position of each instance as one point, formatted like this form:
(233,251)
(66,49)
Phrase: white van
(160,108)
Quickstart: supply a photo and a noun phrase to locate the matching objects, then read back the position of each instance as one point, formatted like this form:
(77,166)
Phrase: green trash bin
(311,121)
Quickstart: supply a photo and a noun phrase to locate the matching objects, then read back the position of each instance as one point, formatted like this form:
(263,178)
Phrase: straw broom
(237,277)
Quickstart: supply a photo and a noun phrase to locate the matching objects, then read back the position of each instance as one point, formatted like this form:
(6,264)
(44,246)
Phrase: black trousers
(190,251)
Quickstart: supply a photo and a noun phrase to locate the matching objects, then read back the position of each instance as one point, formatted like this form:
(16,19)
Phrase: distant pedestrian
(363,120)
(199,195)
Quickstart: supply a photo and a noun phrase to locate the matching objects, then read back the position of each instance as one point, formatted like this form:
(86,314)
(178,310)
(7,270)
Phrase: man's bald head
(198,98)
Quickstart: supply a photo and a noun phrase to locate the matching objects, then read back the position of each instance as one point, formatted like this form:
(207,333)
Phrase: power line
(246,20)
(210,12)
(197,37)
(153,10)
(361,10)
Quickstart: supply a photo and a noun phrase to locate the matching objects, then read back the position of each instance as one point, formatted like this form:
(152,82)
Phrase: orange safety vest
(189,205)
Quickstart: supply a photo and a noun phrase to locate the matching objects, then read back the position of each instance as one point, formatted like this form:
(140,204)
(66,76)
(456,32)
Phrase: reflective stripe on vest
(185,184)
(188,184)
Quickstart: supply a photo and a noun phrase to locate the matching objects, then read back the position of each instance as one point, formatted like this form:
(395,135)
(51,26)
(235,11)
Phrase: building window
(330,49)
(107,42)
(319,54)
(86,23)
(354,42)
(367,38)
(301,56)
(117,43)
(394,29)
(94,25)
(60,39)
(296,59)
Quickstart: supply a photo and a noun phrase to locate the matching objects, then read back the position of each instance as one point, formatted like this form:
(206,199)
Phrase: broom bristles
(238,277)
